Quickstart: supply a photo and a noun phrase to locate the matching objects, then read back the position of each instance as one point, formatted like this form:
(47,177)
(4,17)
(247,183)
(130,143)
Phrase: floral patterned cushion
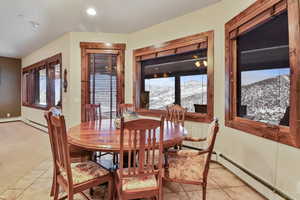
(85,171)
(188,168)
(134,183)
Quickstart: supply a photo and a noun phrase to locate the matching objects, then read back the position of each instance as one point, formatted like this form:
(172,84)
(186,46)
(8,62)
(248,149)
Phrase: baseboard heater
(266,184)
(41,125)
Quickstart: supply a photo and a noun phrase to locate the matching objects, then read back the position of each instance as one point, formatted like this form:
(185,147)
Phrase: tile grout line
(186,193)
(23,190)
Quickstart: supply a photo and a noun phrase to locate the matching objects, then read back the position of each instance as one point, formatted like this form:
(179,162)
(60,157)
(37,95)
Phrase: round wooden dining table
(102,135)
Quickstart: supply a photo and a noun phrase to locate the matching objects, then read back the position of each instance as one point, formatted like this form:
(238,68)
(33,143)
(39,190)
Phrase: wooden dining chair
(176,114)
(192,166)
(76,154)
(76,177)
(142,178)
(124,107)
(92,112)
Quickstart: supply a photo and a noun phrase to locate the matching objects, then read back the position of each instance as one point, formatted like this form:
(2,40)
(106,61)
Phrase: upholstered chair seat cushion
(187,165)
(85,171)
(137,183)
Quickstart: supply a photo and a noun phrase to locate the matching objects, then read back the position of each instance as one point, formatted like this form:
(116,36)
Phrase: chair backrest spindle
(176,114)
(140,138)
(92,112)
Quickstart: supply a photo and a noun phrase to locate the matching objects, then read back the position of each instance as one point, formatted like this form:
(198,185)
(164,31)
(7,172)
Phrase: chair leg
(56,190)
(53,183)
(91,191)
(70,196)
(204,192)
(110,190)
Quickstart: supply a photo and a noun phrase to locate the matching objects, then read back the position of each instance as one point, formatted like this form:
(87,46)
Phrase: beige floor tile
(11,194)
(40,189)
(48,174)
(210,195)
(176,196)
(215,165)
(171,187)
(16,151)
(241,193)
(225,178)
(45,165)
(27,180)
(211,185)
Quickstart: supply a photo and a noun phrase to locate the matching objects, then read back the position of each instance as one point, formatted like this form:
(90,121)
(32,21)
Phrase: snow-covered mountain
(268,99)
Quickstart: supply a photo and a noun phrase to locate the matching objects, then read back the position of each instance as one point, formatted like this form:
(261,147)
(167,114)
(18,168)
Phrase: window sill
(195,117)
(41,107)
(276,133)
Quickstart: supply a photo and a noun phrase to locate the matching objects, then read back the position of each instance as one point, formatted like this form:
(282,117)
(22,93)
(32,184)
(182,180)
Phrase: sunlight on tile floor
(223,185)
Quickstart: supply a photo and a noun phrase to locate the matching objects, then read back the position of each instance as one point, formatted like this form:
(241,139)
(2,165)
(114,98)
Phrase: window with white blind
(103,82)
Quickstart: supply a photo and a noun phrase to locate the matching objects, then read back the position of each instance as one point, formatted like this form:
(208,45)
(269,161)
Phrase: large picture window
(262,88)
(42,83)
(179,73)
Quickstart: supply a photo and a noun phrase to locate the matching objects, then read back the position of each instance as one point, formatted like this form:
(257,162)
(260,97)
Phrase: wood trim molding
(189,43)
(258,13)
(97,45)
(92,47)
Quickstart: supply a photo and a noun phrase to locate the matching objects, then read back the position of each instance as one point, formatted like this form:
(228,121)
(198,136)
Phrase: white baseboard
(11,119)
(35,125)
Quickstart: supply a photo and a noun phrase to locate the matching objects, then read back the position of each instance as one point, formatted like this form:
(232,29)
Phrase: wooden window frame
(95,47)
(256,14)
(185,44)
(30,94)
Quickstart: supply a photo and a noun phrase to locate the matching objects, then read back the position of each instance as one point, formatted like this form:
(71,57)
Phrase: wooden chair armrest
(186,153)
(193,139)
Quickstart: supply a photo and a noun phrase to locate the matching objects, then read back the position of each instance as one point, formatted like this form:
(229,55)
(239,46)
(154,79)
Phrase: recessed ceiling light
(108,44)
(91,11)
(34,24)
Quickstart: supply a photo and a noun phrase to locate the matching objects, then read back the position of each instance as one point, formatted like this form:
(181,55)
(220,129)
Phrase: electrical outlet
(7,115)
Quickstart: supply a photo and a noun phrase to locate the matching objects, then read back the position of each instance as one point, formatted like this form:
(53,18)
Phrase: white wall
(60,45)
(277,164)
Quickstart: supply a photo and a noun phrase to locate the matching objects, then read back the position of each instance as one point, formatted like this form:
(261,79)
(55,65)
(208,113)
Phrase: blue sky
(170,81)
(249,77)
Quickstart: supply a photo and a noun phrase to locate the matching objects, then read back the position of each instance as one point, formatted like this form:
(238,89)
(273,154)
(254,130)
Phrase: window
(263,72)
(161,92)
(58,84)
(42,87)
(193,90)
(103,82)
(177,73)
(262,89)
(42,83)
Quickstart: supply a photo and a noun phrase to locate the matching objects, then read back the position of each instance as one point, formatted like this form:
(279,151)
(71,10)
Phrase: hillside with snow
(267,100)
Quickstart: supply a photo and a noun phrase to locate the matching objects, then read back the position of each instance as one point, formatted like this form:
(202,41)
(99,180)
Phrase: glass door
(103,82)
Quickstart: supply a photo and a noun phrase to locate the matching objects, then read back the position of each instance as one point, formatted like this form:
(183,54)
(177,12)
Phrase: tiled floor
(222,185)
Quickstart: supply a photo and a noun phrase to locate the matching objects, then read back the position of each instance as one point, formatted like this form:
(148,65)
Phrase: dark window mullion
(177,90)
(94,79)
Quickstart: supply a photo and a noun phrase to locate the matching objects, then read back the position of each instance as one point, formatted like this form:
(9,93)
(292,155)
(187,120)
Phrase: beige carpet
(22,148)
